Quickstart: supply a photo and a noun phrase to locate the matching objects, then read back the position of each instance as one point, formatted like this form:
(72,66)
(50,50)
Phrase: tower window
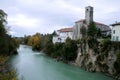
(87,9)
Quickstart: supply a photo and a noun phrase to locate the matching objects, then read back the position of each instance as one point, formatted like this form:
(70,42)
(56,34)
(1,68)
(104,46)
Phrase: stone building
(85,22)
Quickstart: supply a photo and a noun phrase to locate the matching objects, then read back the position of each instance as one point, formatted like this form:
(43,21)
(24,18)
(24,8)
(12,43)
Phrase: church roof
(101,26)
(66,30)
(94,21)
(118,23)
(80,20)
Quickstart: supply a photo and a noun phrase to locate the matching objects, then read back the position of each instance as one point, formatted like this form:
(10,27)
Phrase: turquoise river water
(32,65)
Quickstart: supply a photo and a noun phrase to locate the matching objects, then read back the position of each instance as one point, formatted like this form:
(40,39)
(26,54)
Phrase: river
(32,65)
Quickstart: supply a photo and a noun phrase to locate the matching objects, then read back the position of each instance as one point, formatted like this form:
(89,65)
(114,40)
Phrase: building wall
(115,33)
(76,31)
(56,39)
(62,36)
(104,29)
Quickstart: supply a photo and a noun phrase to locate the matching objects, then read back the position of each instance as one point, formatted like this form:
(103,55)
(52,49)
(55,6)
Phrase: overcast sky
(45,16)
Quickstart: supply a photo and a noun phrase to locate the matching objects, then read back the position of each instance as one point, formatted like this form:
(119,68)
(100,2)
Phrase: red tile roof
(118,23)
(66,30)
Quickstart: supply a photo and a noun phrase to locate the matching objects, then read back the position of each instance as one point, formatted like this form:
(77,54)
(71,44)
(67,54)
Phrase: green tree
(92,30)
(54,33)
(83,31)
(99,33)
(3,38)
(69,50)
(7,44)
(117,63)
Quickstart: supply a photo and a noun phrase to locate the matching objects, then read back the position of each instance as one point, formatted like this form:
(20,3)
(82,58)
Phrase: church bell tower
(88,14)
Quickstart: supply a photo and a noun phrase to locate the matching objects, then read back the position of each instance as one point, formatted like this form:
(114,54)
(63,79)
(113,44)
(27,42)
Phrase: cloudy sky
(45,16)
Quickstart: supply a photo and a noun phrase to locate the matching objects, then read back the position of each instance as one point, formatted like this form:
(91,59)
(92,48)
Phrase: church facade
(85,22)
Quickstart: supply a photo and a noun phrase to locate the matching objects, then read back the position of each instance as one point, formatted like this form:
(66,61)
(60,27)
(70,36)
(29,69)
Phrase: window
(117,38)
(87,9)
(113,31)
(113,38)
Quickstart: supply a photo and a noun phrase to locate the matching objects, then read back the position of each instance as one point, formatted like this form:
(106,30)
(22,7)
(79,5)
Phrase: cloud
(45,16)
(24,21)
(11,32)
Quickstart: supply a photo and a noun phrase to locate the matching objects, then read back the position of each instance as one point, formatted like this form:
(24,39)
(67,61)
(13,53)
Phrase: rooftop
(102,26)
(118,23)
(94,21)
(66,30)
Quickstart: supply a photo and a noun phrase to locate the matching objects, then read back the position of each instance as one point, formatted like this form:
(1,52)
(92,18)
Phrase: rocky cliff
(100,56)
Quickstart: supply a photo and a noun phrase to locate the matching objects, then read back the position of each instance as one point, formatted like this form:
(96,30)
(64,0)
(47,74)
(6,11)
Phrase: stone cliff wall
(100,60)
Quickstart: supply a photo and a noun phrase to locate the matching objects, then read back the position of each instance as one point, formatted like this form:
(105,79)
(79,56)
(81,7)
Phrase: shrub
(117,63)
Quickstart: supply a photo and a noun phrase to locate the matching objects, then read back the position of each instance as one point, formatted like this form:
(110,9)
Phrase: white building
(63,34)
(115,32)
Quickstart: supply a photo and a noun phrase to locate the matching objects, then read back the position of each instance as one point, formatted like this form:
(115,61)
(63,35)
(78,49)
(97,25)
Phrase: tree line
(62,51)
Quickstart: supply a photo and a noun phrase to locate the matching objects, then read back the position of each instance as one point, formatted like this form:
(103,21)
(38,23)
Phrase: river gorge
(31,65)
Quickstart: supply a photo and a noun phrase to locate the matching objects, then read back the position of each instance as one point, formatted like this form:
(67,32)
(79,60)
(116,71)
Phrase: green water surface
(32,65)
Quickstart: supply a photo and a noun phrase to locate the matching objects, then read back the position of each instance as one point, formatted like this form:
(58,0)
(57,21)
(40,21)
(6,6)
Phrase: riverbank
(5,72)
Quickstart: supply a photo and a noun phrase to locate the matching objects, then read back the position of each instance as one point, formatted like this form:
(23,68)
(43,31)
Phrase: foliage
(99,33)
(106,45)
(70,50)
(8,45)
(93,43)
(57,50)
(66,51)
(83,31)
(92,30)
(5,73)
(54,33)
(117,63)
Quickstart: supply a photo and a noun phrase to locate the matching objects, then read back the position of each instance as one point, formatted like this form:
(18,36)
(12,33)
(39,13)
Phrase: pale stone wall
(89,14)
(76,31)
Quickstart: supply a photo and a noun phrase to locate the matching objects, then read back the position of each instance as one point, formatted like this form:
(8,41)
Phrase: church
(74,32)
(85,22)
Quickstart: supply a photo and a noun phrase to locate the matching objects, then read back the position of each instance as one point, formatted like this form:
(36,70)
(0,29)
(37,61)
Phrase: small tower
(88,14)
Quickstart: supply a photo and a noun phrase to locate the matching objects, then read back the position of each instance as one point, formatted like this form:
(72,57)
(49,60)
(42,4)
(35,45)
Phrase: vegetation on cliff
(98,52)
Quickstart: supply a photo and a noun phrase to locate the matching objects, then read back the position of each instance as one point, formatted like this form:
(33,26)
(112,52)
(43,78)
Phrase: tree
(7,44)
(83,31)
(99,33)
(3,38)
(69,50)
(92,30)
(54,33)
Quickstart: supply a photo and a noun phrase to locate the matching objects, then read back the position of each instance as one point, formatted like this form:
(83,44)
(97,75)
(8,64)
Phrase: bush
(92,30)
(117,63)
(67,51)
(83,31)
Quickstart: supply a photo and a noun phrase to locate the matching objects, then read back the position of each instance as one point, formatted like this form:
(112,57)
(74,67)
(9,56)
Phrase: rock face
(100,61)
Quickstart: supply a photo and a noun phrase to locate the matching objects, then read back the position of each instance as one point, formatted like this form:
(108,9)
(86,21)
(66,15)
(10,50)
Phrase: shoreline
(74,64)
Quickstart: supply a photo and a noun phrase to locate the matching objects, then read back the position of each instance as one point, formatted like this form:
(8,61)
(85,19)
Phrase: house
(62,35)
(85,22)
(115,34)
